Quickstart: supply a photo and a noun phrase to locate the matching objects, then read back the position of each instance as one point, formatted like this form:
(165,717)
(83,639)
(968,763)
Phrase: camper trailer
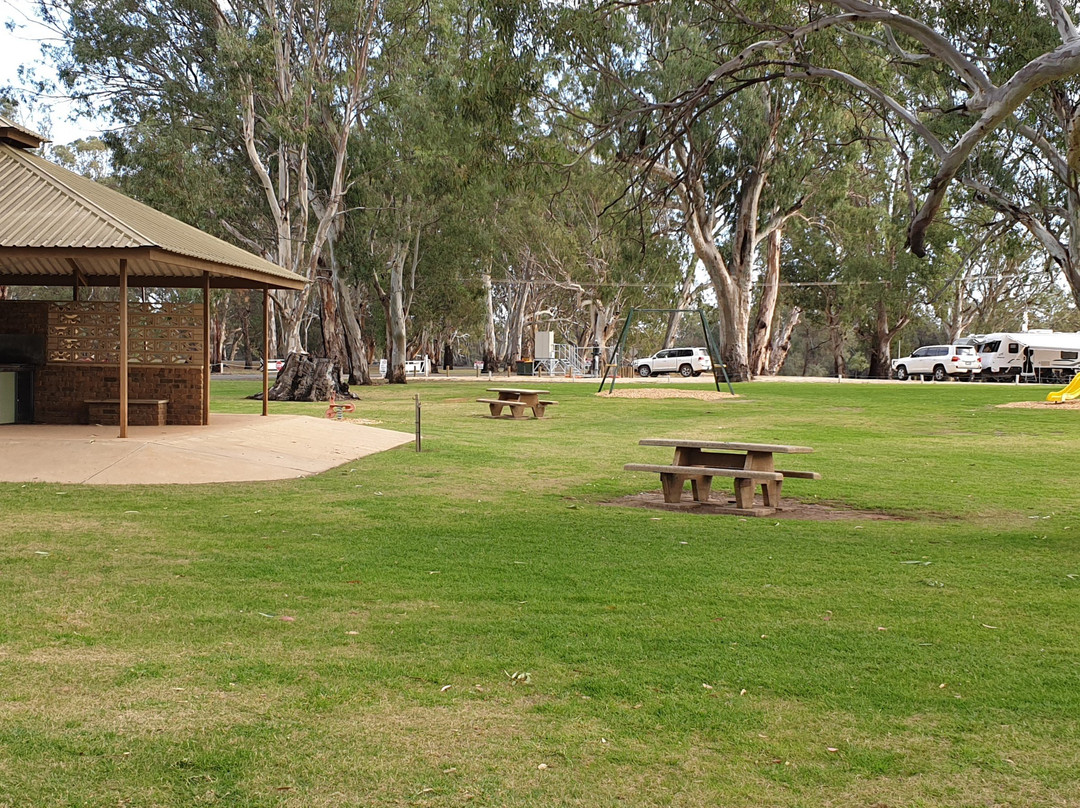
(1031,356)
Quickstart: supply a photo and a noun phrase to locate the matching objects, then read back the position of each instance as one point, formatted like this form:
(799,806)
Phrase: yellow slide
(1068,393)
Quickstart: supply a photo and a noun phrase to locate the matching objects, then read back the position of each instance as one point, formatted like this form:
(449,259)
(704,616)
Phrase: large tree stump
(307,378)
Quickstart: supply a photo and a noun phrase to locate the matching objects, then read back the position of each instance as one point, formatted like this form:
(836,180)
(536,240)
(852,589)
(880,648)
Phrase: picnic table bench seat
(700,477)
(701,471)
(496,405)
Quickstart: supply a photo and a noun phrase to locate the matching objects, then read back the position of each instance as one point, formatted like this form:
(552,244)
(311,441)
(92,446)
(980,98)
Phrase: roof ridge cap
(99,211)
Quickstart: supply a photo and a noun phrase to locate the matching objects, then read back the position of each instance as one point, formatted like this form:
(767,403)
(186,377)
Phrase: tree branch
(1061,19)
(969,72)
(1060,63)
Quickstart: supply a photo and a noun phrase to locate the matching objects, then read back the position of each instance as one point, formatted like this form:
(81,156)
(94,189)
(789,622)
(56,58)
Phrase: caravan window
(991,347)
(1014,348)
(1070,355)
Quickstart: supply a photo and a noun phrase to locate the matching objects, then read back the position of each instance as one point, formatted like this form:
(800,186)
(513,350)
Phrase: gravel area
(657,392)
(1043,405)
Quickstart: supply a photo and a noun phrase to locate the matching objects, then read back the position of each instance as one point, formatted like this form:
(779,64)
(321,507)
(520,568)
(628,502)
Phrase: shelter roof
(58,228)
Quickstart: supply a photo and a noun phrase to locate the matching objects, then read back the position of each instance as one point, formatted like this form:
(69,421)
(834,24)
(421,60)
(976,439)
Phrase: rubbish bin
(525,367)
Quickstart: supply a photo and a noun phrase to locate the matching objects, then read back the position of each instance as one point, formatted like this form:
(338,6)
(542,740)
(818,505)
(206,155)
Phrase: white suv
(684,361)
(939,362)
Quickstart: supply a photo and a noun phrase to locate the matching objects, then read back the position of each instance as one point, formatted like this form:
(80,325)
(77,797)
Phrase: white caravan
(1034,356)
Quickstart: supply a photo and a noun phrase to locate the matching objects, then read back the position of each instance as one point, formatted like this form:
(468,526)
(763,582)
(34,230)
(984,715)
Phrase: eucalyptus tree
(438,137)
(1000,278)
(969,91)
(282,85)
(732,163)
(846,257)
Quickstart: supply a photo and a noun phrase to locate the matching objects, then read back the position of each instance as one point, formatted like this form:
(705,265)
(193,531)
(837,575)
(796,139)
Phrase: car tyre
(686,371)
(939,373)
(901,373)
(644,372)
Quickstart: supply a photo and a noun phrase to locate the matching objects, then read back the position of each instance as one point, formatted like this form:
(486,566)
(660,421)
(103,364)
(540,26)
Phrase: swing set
(718,367)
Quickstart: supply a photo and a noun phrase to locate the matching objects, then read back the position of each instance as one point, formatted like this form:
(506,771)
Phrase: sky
(23,47)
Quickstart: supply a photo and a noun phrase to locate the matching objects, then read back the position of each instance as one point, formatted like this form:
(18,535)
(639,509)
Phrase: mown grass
(672,659)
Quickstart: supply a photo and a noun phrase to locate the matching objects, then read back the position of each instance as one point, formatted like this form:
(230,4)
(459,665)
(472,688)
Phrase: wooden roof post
(266,350)
(206,348)
(123,358)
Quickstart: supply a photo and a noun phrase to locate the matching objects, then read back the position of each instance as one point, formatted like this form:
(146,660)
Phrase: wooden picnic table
(517,400)
(748,464)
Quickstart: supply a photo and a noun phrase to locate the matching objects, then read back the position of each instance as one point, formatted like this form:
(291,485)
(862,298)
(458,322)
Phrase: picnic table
(517,400)
(748,464)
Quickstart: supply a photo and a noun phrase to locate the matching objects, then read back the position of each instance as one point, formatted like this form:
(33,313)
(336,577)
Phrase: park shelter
(58,228)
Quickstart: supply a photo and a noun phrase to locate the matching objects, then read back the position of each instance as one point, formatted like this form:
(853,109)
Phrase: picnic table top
(518,390)
(726,446)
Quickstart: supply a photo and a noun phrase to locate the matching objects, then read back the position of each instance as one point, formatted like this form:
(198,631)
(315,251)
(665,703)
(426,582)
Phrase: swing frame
(718,366)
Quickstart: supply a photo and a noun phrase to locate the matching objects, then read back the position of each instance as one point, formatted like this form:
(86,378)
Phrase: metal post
(616,354)
(417,422)
(714,354)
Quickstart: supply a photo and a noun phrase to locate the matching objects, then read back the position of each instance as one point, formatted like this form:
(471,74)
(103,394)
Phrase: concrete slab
(232,448)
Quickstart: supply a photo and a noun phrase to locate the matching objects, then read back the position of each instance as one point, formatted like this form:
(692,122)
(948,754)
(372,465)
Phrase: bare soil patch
(789,508)
(1042,405)
(659,392)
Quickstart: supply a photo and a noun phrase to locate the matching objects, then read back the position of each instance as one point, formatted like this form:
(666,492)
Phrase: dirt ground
(1043,405)
(659,392)
(789,508)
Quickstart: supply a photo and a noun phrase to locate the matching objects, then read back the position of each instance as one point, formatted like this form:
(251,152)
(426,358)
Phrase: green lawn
(362,637)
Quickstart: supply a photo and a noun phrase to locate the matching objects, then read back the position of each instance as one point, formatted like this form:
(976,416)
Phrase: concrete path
(232,448)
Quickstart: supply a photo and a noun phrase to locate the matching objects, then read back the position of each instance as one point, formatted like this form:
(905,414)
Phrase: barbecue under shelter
(93,361)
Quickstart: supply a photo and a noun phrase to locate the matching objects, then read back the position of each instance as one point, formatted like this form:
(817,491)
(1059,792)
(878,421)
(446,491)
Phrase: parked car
(939,362)
(684,361)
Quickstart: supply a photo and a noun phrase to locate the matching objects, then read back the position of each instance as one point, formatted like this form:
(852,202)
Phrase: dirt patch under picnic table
(789,508)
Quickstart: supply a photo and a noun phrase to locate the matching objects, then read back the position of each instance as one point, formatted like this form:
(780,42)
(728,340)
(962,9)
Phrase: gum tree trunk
(307,378)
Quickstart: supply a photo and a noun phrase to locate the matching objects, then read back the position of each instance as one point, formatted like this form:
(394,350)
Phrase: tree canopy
(465,172)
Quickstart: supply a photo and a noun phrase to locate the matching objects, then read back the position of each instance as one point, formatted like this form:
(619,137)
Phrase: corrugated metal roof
(19,135)
(48,208)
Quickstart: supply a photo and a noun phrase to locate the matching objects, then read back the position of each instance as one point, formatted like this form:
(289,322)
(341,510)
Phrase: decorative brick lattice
(88,333)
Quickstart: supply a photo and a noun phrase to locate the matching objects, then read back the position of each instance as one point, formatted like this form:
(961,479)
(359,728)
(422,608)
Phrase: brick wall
(24,317)
(60,390)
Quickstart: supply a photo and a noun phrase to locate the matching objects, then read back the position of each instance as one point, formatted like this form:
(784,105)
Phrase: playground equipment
(1068,393)
(336,411)
(714,354)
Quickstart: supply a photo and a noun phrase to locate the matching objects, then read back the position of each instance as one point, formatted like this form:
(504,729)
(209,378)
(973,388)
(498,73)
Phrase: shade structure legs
(266,351)
(123,358)
(206,349)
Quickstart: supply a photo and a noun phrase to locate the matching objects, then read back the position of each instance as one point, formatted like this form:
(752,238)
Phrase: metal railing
(569,360)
